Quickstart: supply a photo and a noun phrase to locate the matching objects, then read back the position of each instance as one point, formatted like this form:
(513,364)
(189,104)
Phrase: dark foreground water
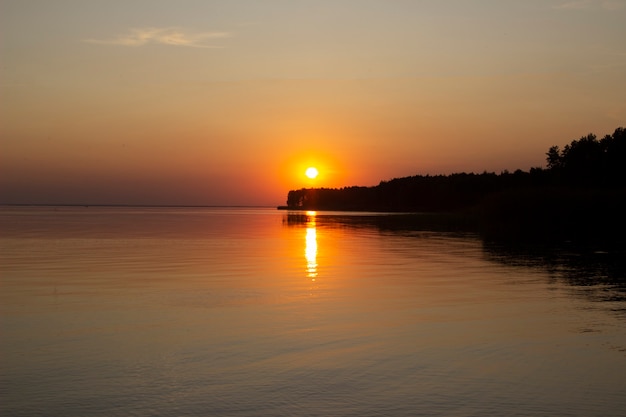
(254,312)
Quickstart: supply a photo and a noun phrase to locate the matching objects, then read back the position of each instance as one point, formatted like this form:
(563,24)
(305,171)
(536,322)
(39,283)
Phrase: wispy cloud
(591,4)
(172,36)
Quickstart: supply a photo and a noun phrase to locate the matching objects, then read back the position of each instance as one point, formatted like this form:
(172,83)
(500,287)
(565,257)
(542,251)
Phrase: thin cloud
(164,36)
(591,4)
(613,5)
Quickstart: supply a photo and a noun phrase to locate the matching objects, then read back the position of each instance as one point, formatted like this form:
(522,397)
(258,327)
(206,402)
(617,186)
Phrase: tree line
(584,164)
(579,197)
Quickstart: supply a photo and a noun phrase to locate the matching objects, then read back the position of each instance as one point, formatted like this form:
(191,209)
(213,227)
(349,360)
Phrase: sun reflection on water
(310,251)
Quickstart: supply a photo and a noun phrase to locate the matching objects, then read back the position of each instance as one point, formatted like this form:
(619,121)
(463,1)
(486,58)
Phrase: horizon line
(136,205)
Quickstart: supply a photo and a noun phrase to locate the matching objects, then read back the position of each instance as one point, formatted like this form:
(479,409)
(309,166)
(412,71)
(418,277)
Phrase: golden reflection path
(310,250)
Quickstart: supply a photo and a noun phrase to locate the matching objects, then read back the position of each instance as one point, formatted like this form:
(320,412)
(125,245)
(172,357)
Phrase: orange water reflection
(310,249)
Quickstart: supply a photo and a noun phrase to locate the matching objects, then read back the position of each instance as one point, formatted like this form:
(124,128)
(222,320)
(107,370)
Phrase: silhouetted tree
(554,157)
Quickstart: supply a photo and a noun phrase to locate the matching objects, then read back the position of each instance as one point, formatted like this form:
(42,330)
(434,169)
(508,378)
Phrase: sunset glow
(171,105)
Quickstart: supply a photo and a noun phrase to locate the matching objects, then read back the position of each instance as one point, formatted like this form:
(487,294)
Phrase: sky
(227,102)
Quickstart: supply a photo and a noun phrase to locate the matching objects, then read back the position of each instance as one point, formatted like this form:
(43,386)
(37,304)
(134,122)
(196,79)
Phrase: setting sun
(311,172)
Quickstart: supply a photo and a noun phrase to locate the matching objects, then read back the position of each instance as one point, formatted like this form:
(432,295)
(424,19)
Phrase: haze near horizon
(229,102)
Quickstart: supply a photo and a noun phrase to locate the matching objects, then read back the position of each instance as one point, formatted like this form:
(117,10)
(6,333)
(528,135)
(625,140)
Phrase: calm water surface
(249,312)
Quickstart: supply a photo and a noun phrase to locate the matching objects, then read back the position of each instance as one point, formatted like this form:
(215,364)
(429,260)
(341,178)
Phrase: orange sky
(228,102)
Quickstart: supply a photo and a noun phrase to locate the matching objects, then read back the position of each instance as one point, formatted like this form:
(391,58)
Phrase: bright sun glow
(311,172)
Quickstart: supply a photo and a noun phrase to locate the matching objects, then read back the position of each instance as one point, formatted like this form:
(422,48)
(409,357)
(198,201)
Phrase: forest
(581,192)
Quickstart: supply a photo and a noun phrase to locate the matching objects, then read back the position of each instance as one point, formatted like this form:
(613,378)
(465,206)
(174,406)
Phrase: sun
(311,172)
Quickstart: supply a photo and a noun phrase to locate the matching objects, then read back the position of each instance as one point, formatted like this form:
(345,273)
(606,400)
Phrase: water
(248,312)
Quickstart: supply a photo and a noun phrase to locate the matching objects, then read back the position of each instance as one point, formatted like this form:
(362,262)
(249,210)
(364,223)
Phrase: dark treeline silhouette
(420,193)
(580,195)
(590,162)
